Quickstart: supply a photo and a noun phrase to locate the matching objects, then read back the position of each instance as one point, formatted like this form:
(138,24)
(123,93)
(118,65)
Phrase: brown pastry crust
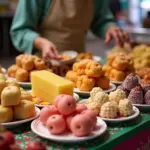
(39,64)
(22,75)
(19,60)
(12,71)
(28,63)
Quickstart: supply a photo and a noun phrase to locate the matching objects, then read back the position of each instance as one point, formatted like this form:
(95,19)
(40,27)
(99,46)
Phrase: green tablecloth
(113,137)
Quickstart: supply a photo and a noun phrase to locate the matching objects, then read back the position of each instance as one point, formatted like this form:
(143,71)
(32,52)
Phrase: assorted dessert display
(137,93)
(112,106)
(118,66)
(71,116)
(16,103)
(25,64)
(88,74)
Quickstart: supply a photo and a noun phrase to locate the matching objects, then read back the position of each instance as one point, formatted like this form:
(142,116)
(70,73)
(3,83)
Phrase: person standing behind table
(53,25)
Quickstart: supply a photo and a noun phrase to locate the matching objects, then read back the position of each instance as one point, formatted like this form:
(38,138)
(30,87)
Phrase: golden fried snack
(25,95)
(110,58)
(72,76)
(120,63)
(107,69)
(22,75)
(19,60)
(93,69)
(12,71)
(28,63)
(85,83)
(103,82)
(75,66)
(116,75)
(87,55)
(39,64)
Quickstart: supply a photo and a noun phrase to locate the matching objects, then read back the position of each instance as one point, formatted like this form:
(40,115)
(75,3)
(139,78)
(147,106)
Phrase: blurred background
(132,15)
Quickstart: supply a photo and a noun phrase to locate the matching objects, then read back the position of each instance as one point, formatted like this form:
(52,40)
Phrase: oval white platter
(19,122)
(76,97)
(42,131)
(84,93)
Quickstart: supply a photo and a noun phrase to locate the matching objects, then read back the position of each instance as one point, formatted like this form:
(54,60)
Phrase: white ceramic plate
(76,96)
(97,58)
(84,93)
(133,116)
(19,122)
(39,129)
(4,70)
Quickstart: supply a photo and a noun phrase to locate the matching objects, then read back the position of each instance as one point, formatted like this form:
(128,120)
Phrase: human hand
(121,37)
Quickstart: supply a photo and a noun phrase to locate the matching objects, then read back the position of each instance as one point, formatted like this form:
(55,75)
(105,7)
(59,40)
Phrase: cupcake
(131,81)
(136,95)
(147,97)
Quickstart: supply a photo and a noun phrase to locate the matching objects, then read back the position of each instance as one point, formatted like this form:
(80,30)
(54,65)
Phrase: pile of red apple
(7,142)
(65,115)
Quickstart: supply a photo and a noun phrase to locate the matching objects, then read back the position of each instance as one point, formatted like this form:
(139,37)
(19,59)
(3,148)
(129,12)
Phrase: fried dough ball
(116,75)
(85,83)
(39,64)
(75,67)
(93,69)
(22,75)
(28,63)
(103,82)
(72,76)
(19,60)
(12,71)
(25,95)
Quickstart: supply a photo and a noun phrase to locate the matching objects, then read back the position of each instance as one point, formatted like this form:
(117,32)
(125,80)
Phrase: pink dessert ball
(80,108)
(81,125)
(69,119)
(57,99)
(91,115)
(46,112)
(56,124)
(67,105)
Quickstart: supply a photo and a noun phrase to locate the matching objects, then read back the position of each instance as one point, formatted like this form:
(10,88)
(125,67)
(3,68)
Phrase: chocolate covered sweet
(136,95)
(147,97)
(130,82)
(145,87)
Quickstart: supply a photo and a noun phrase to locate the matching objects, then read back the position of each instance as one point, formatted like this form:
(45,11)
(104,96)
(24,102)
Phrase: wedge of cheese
(47,86)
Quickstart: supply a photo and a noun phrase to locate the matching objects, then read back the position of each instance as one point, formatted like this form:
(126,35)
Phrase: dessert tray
(68,137)
(19,122)
(84,93)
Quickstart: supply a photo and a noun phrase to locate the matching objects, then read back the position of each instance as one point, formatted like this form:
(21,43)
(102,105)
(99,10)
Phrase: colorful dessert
(136,95)
(109,110)
(125,108)
(117,95)
(47,86)
(147,97)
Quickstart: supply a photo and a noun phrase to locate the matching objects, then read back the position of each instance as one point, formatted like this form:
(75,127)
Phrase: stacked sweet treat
(25,64)
(137,93)
(88,74)
(15,102)
(118,66)
(110,106)
(65,115)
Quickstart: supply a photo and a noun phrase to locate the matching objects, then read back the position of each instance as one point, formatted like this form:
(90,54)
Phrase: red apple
(9,137)
(67,105)
(69,119)
(80,108)
(36,145)
(58,98)
(46,112)
(56,124)
(3,144)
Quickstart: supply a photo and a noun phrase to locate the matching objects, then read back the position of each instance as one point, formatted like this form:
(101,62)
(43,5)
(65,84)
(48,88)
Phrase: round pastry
(131,81)
(102,82)
(39,64)
(25,95)
(136,95)
(145,87)
(93,107)
(22,75)
(100,98)
(147,97)
(27,63)
(120,63)
(93,69)
(109,110)
(6,114)
(116,75)
(2,77)
(117,95)
(24,110)
(107,69)
(75,67)
(85,83)
(72,76)
(63,70)
(19,60)
(110,58)
(12,71)
(2,86)
(125,108)
(94,91)
(12,82)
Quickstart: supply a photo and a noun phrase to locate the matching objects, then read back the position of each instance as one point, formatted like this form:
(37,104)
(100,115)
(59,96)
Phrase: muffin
(28,63)
(22,75)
